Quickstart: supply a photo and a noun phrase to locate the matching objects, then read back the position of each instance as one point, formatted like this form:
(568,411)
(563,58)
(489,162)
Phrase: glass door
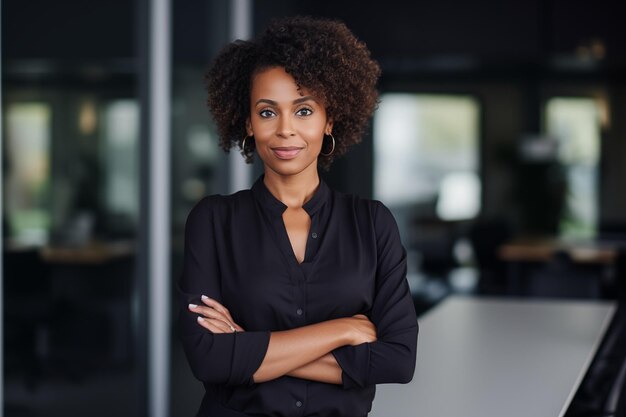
(70,180)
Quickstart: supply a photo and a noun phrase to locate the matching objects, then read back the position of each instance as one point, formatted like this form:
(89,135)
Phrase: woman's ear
(249,127)
(329,127)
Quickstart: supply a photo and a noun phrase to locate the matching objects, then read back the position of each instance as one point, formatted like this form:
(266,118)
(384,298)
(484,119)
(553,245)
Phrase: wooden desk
(585,269)
(542,250)
(94,253)
(482,357)
(96,280)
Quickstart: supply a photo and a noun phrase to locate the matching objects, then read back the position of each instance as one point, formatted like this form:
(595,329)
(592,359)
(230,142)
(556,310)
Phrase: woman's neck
(293,190)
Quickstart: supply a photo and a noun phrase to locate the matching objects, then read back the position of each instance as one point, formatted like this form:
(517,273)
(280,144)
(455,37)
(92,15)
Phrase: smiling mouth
(286,152)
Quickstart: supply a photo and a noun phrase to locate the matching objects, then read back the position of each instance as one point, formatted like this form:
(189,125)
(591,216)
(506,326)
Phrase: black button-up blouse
(237,251)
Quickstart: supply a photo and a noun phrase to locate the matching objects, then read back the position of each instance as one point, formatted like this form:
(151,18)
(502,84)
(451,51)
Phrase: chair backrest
(25,273)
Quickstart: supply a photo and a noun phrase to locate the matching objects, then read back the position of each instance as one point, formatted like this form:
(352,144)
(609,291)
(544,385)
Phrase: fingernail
(200,318)
(192,306)
(204,297)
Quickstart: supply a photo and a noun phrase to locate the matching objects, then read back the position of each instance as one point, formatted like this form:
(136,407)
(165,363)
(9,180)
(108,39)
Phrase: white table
(482,357)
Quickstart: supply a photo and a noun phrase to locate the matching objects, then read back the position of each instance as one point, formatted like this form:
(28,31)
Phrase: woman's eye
(304,112)
(266,113)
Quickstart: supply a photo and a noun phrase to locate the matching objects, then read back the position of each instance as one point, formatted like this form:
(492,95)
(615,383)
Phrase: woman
(295,299)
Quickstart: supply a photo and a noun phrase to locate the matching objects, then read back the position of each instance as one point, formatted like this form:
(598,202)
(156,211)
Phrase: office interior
(499,144)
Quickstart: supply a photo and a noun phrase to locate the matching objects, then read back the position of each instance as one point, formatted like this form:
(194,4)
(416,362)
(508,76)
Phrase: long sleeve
(391,359)
(229,359)
(237,250)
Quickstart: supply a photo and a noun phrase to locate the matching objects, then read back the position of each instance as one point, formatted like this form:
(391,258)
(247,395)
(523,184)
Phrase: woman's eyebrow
(274,103)
(303,99)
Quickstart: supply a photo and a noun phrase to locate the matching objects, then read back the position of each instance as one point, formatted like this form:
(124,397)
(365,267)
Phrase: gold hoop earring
(243,143)
(332,149)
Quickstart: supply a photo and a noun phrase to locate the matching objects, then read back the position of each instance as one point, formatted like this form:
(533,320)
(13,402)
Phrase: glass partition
(71,185)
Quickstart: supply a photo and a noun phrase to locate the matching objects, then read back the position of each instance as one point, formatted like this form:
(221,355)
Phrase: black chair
(562,277)
(486,237)
(27,309)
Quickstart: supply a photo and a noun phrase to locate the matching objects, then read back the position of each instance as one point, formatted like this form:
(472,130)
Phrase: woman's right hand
(362,330)
(214,317)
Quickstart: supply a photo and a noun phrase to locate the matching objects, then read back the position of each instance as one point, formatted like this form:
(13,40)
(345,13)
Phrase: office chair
(562,277)
(486,237)
(27,308)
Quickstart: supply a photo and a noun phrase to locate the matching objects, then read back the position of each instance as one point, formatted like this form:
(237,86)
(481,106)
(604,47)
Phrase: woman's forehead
(277,85)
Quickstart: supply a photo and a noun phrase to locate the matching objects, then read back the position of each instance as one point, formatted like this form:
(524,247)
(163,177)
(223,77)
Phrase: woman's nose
(285,127)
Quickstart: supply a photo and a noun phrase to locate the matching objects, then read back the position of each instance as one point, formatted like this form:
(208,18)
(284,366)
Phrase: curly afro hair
(321,55)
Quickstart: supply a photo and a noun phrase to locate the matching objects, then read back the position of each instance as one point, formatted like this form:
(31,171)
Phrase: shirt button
(314,235)
(298,404)
(299,311)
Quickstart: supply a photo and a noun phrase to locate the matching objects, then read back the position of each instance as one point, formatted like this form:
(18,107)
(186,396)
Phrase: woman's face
(288,124)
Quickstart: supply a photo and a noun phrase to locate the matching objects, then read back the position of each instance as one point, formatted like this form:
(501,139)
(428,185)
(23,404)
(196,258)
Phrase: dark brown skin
(322,56)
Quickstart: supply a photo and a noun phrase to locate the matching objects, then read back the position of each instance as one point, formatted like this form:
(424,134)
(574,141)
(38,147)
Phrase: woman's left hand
(215,317)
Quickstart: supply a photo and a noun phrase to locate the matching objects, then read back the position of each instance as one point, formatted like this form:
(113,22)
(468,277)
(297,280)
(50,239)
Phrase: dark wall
(509,32)
(509,54)
(71,30)
(506,53)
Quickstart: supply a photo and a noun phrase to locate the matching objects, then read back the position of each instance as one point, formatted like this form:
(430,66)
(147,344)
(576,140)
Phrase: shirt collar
(274,205)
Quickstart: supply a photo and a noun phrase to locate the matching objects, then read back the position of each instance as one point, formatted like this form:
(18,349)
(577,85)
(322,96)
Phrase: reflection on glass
(426,152)
(575,122)
(72,291)
(27,180)
(119,156)
(72,202)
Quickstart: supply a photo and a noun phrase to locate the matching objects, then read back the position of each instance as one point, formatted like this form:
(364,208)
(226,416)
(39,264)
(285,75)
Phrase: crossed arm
(351,351)
(303,352)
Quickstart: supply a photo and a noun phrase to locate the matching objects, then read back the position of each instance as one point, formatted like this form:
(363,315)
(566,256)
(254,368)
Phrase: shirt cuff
(354,362)
(249,349)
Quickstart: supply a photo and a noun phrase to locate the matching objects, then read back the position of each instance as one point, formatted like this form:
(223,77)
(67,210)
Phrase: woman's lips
(286,152)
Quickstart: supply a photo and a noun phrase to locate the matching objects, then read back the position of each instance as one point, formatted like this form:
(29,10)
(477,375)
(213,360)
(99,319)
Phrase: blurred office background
(499,144)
